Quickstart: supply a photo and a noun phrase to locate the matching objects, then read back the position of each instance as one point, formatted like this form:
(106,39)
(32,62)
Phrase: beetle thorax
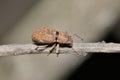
(62,38)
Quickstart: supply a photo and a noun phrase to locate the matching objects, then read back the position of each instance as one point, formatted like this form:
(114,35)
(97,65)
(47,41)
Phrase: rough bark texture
(22,49)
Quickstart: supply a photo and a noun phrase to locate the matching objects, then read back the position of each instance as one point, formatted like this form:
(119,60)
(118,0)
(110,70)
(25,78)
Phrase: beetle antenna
(79,37)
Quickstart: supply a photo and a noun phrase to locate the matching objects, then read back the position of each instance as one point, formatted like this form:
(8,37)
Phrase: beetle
(49,35)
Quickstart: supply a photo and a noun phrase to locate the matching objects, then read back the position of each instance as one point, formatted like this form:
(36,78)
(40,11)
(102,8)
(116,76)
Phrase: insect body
(49,35)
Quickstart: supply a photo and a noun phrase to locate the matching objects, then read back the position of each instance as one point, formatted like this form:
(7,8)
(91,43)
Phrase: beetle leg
(52,48)
(40,48)
(58,49)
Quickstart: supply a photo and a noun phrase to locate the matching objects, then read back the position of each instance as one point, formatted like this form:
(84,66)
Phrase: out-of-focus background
(92,19)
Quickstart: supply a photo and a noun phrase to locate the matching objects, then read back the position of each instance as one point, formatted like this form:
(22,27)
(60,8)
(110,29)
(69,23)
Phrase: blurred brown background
(19,18)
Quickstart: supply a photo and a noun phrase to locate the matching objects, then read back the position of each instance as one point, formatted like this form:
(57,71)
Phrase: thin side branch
(22,49)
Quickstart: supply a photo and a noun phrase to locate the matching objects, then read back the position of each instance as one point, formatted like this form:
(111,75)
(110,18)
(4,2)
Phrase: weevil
(49,35)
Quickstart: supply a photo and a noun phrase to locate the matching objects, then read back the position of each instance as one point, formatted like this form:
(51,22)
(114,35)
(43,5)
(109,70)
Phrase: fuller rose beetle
(49,35)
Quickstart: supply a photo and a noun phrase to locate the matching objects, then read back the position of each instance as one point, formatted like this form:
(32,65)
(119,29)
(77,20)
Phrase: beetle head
(70,41)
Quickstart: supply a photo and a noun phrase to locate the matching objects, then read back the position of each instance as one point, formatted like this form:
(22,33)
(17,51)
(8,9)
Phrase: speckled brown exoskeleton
(49,35)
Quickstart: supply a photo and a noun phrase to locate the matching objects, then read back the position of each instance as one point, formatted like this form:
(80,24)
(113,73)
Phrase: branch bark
(22,49)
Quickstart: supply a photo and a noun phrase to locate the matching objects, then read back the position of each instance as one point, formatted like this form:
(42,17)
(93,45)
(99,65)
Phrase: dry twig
(22,49)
